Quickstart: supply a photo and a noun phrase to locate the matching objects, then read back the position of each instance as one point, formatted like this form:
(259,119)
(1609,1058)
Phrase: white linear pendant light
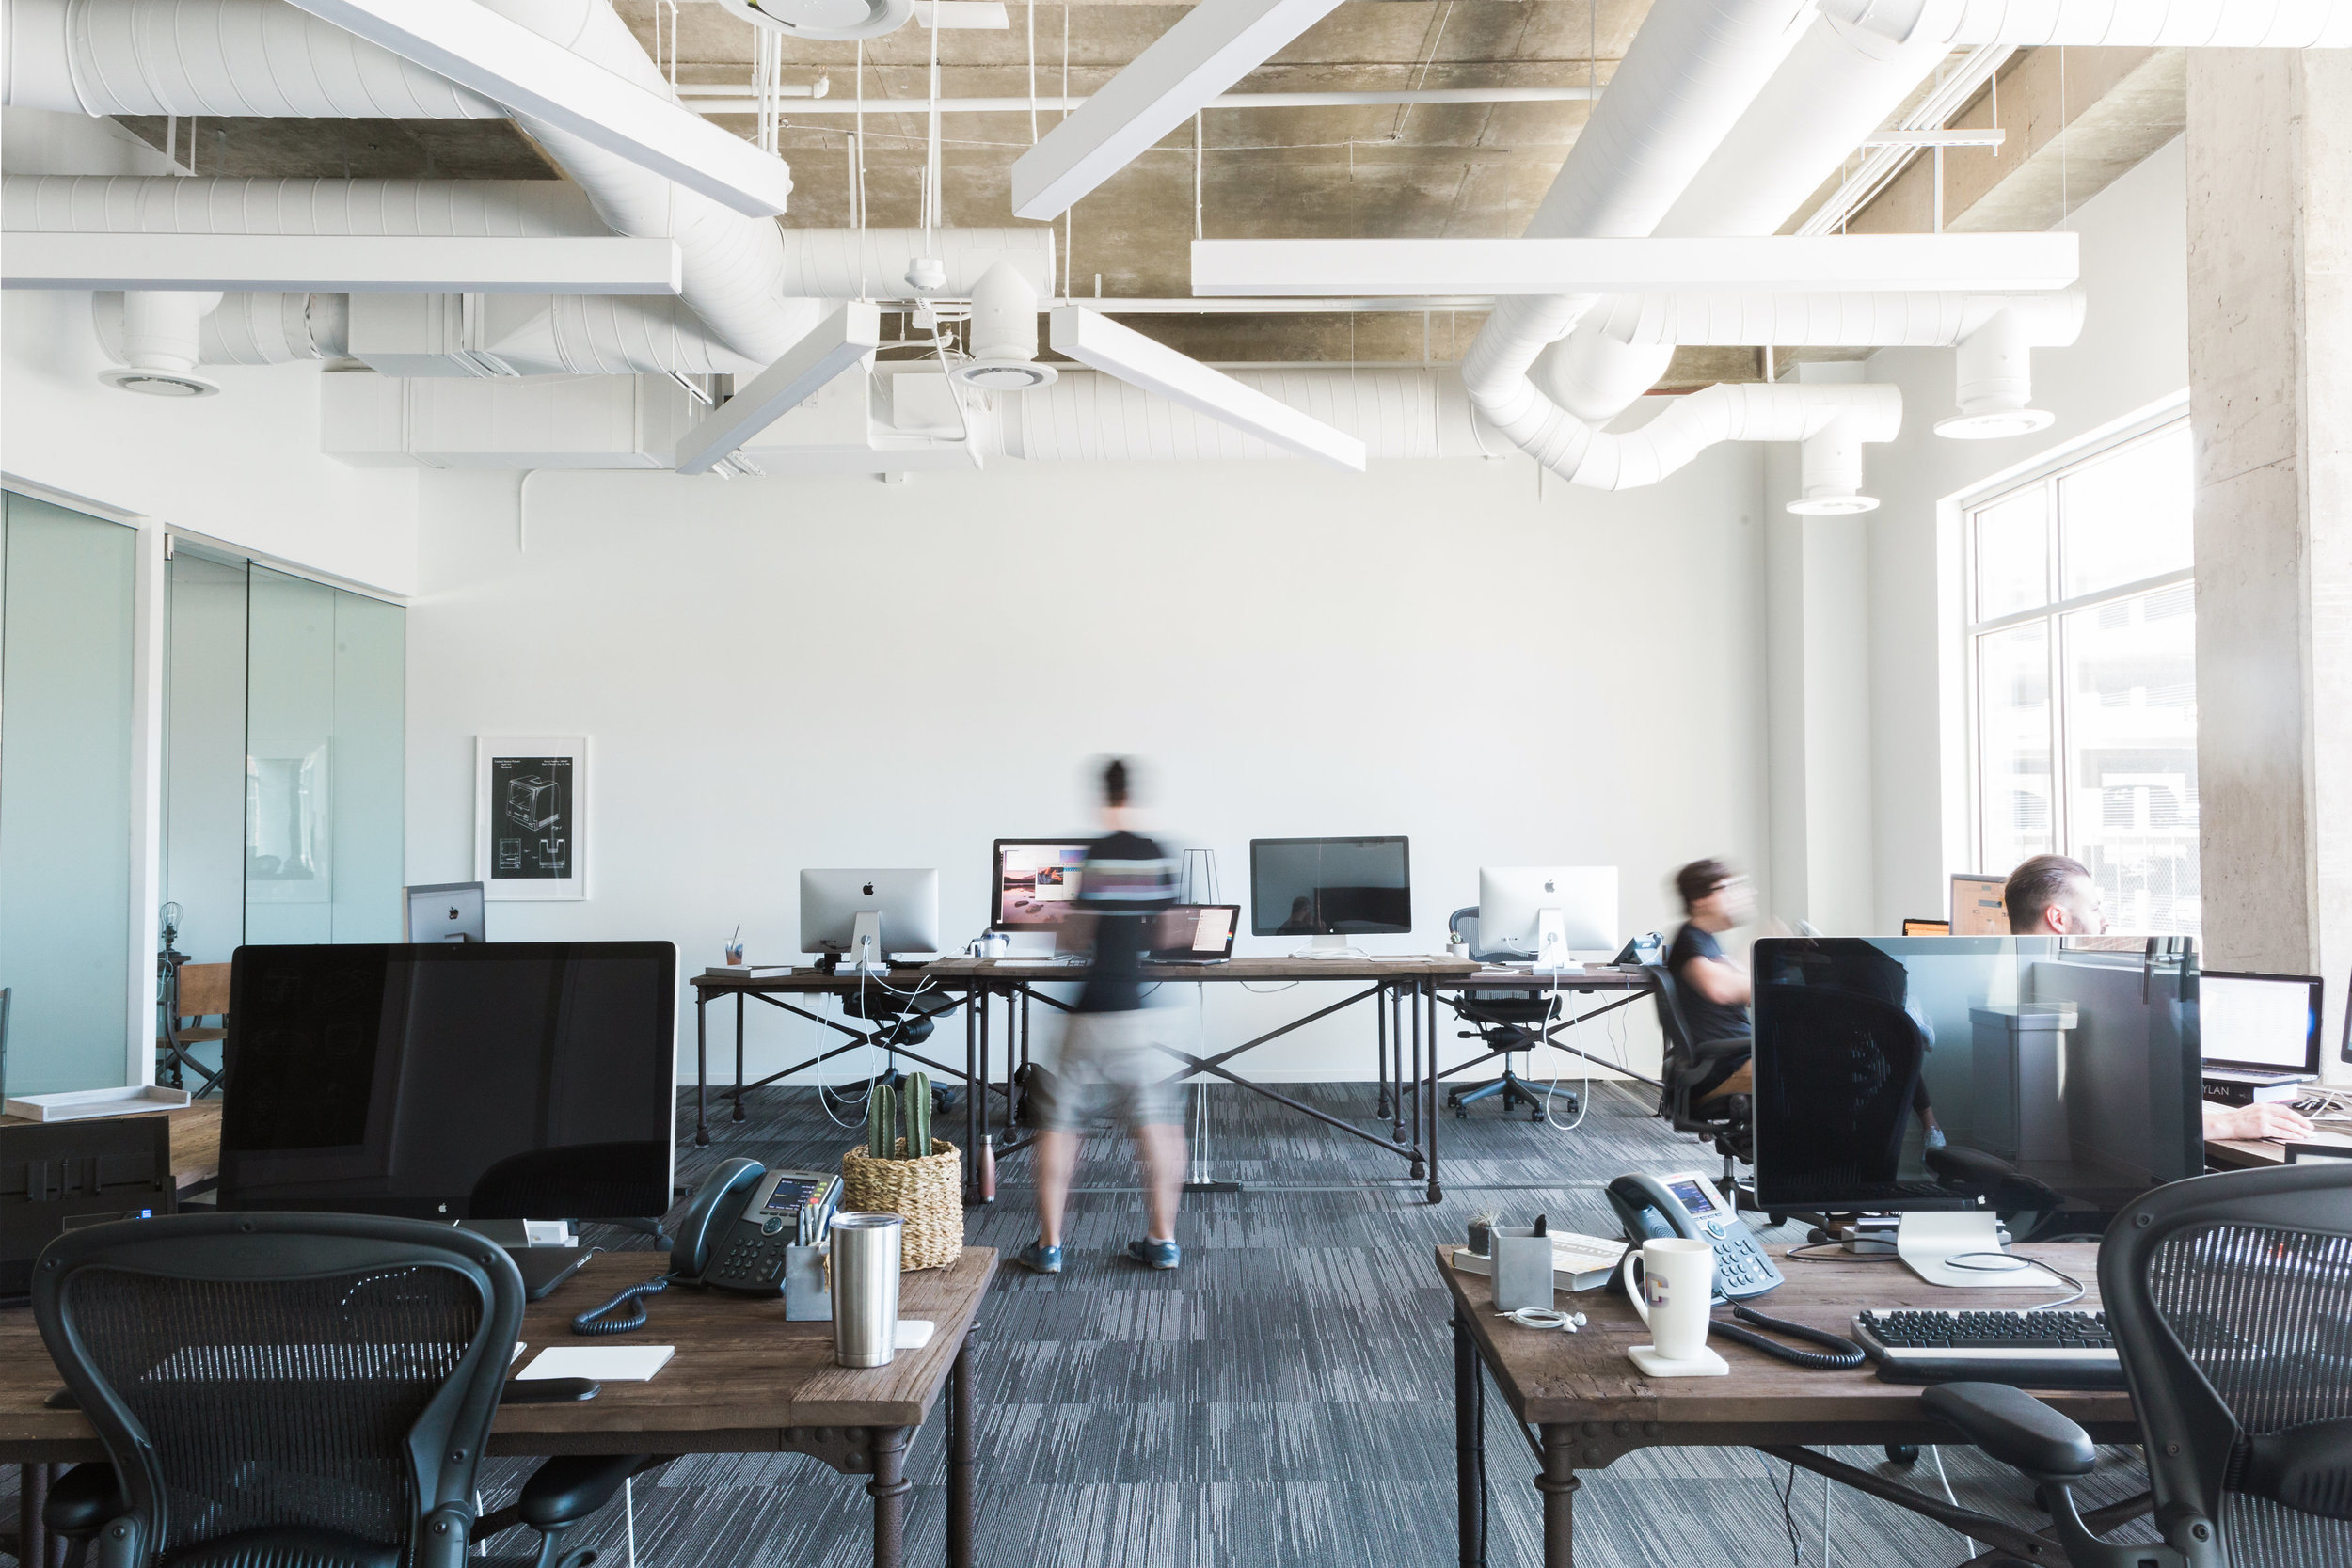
(341,264)
(836,344)
(522,71)
(1101,343)
(1215,44)
(1978,263)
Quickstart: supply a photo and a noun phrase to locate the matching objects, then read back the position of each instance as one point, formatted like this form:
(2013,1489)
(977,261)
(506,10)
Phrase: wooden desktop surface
(2258,1154)
(194,1138)
(1268,969)
(1586,1377)
(742,1380)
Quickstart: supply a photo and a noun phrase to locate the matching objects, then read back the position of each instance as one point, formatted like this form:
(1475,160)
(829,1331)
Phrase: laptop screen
(1196,932)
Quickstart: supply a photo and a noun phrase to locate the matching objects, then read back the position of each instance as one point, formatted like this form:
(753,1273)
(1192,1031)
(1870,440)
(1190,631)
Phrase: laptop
(2258,1031)
(1196,934)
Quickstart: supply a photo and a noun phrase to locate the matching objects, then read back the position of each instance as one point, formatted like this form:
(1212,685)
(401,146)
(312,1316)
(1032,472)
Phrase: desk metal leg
(974,1103)
(1427,996)
(738,1055)
(1469,1447)
(1381,1027)
(960,1459)
(1421,1166)
(1558,1483)
(889,1489)
(702,1072)
(1395,1000)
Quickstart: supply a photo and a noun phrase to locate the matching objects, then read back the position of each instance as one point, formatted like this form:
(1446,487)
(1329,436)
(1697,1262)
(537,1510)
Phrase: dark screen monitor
(506,1081)
(1323,887)
(2064,1082)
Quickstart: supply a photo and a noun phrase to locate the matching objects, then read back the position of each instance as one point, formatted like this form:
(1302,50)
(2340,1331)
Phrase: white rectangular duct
(2113,23)
(549,421)
(850,427)
(513,66)
(1988,263)
(341,263)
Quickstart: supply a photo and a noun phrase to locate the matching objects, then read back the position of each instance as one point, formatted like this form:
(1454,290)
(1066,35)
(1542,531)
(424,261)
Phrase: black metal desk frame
(706,988)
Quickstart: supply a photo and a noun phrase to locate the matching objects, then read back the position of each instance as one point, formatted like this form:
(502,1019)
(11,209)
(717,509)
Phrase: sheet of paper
(913,1334)
(605,1363)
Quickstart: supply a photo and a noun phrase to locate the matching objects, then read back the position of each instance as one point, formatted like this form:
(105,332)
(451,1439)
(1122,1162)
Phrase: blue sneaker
(1155,1255)
(1040,1259)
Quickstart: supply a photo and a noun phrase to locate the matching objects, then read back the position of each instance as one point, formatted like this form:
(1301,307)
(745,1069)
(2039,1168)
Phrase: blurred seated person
(2051,895)
(1711,989)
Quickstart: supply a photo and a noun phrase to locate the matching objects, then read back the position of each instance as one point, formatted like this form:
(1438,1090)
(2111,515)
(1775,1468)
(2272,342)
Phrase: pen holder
(1522,1268)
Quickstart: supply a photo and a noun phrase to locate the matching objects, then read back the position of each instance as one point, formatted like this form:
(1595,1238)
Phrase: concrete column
(2270,369)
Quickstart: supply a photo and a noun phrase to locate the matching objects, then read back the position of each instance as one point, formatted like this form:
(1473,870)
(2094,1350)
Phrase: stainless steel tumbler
(866,1253)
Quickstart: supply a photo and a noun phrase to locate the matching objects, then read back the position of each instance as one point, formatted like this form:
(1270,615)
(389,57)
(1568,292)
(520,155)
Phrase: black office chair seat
(1509,1021)
(1691,1069)
(292,1391)
(903,1020)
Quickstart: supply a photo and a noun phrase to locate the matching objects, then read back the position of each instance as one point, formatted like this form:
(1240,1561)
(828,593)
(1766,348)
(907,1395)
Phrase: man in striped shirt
(1107,1062)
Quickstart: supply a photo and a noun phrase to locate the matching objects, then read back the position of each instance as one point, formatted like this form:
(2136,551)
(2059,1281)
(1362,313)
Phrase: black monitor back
(497,1081)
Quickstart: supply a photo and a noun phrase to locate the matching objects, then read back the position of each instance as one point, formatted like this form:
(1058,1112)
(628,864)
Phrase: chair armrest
(83,1499)
(2014,1428)
(570,1487)
(1715,1050)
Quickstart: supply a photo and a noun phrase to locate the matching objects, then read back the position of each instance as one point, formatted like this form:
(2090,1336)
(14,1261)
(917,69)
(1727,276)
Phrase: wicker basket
(928,1191)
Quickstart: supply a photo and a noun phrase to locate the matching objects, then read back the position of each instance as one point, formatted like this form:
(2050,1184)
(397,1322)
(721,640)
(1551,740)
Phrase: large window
(2082,663)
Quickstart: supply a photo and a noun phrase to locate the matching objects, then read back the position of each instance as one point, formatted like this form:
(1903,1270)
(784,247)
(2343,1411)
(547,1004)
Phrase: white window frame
(2150,425)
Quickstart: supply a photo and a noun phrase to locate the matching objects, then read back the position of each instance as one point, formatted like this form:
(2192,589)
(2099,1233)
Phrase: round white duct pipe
(1829,472)
(1595,375)
(1087,417)
(247,329)
(260,57)
(601,335)
(157,338)
(145,205)
(1796,411)
(1995,370)
(1844,320)
(2138,24)
(1004,335)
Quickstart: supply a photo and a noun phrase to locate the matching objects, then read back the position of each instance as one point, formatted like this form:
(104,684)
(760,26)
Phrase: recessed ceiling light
(158,384)
(1004,375)
(1993,426)
(831,20)
(1833,506)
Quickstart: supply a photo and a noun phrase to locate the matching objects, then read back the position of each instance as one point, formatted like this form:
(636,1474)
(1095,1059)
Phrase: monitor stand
(1331,946)
(1929,1242)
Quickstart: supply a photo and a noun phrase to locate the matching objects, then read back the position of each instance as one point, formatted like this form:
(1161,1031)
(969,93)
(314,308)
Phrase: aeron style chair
(1509,1021)
(1728,1121)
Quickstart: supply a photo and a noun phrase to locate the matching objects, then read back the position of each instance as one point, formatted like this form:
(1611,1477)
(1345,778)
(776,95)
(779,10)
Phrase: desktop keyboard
(2051,1348)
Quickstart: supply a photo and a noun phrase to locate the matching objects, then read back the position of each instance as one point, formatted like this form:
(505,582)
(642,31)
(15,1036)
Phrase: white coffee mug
(1676,1288)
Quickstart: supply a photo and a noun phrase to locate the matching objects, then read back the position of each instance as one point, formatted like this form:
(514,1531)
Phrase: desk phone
(1686,1204)
(743,1219)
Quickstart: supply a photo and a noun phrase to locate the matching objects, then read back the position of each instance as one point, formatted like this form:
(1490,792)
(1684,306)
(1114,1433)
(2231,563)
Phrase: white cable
(1937,1454)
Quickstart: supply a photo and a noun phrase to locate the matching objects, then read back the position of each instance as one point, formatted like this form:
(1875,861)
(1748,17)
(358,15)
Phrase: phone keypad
(752,1260)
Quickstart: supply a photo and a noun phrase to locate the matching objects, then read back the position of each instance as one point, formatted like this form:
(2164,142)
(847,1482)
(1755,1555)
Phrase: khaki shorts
(1108,1068)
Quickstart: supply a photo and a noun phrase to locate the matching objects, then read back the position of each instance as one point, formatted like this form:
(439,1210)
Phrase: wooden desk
(1590,1405)
(195,1139)
(2259,1154)
(743,1381)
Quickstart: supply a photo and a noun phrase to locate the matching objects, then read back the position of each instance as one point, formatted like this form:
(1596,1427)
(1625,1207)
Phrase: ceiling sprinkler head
(1993,425)
(926,274)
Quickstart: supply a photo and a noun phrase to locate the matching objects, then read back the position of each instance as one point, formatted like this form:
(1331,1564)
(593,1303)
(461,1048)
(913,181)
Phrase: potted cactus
(890,1174)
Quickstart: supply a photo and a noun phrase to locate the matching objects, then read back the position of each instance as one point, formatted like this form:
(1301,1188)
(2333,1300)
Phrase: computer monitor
(900,910)
(1978,906)
(514,1081)
(2062,1081)
(444,912)
(2260,1023)
(1575,905)
(1330,889)
(1034,881)
(1194,933)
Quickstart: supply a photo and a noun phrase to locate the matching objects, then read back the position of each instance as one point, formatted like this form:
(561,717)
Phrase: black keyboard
(2053,1348)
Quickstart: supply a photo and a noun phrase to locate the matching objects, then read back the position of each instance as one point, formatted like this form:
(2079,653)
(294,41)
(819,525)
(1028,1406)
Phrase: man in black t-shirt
(1711,989)
(1107,1060)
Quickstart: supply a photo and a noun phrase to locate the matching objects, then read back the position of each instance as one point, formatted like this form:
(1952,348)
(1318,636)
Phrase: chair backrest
(1835,1071)
(320,1385)
(204,989)
(2231,1300)
(1664,993)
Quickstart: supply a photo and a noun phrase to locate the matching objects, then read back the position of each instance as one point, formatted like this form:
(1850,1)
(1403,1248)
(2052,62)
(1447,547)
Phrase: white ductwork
(250,57)
(1004,335)
(2136,23)
(157,339)
(127,204)
(1995,366)
(1833,320)
(1088,418)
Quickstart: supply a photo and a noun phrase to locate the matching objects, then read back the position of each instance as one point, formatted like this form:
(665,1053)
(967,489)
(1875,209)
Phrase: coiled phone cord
(1843,1352)
(594,1320)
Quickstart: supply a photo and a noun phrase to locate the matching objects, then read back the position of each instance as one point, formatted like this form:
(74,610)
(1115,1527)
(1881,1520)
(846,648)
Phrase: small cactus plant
(883,1109)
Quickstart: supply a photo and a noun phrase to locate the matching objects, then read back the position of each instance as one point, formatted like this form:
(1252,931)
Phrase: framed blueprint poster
(531,817)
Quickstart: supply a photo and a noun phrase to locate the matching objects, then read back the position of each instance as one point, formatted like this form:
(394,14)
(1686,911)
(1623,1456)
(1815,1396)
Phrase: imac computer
(495,1084)
(868,914)
(1330,889)
(1032,885)
(2257,1030)
(1959,1082)
(444,912)
(1546,913)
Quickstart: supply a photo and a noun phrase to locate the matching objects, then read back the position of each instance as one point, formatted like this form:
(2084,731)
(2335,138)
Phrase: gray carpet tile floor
(1286,1397)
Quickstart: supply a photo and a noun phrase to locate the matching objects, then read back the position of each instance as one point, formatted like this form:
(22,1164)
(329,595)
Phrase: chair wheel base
(1899,1453)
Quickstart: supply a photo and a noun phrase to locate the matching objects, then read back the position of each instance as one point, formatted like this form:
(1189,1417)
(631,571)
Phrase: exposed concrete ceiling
(1425,170)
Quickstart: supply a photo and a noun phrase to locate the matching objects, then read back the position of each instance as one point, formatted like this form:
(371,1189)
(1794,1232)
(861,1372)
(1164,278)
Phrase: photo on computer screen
(1037,880)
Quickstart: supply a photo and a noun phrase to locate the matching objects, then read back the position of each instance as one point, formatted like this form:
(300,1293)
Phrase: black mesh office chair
(292,1391)
(900,1021)
(1689,1069)
(2230,1298)
(1509,1021)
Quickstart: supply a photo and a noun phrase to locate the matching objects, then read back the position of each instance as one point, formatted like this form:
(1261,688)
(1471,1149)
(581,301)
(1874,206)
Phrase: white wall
(787,673)
(2133,353)
(243,468)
